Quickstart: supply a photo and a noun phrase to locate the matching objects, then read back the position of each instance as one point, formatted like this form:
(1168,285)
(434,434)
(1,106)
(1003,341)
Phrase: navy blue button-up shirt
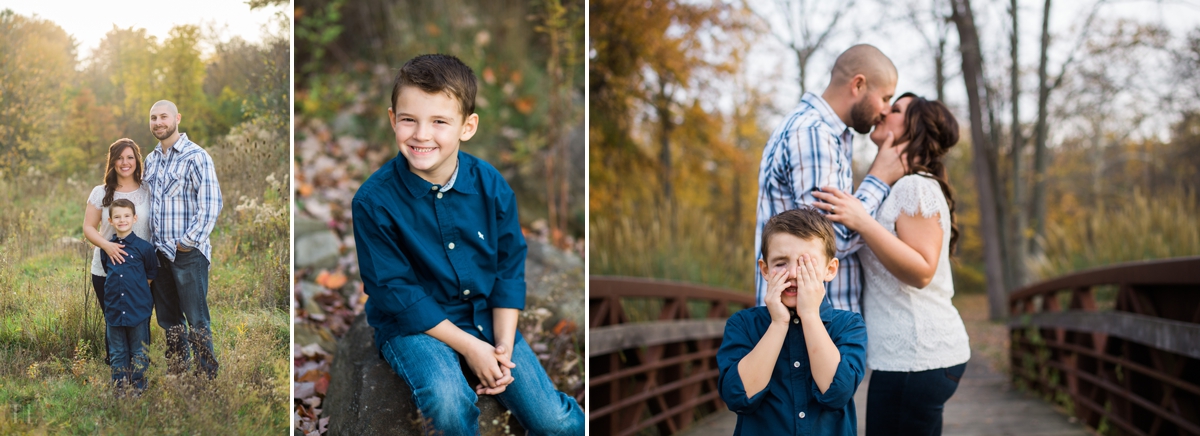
(428,255)
(127,299)
(791,403)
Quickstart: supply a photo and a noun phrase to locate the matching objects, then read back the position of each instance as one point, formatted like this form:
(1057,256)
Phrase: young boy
(443,261)
(127,299)
(792,366)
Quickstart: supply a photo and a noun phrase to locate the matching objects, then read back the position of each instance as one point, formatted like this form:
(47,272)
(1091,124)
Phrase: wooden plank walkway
(984,404)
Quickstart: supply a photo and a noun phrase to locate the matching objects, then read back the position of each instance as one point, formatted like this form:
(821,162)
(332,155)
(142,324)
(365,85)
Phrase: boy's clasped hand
(493,366)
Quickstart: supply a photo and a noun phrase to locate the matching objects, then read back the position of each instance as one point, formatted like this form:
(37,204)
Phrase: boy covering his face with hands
(793,365)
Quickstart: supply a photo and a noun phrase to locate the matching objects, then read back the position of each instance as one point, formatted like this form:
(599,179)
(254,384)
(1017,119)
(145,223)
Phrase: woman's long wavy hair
(110,171)
(931,130)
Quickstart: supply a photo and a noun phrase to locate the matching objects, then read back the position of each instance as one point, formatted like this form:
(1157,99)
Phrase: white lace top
(910,329)
(141,204)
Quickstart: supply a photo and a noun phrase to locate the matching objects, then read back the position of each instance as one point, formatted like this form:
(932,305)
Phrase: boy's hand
(482,360)
(503,356)
(776,284)
(810,289)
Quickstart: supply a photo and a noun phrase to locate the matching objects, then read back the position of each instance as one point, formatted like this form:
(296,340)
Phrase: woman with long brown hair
(122,179)
(917,347)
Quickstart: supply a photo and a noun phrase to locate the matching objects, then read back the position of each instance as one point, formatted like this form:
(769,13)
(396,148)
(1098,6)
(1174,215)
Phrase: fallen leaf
(564,326)
(322,278)
(335,280)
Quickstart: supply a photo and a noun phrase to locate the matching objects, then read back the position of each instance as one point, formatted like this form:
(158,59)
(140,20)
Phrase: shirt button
(797,365)
(466,292)
(801,415)
(451,245)
(796,321)
(479,327)
(433,188)
(439,195)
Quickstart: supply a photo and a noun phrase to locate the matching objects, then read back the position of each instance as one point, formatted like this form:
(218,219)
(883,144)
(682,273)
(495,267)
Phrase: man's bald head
(164,105)
(866,60)
(164,120)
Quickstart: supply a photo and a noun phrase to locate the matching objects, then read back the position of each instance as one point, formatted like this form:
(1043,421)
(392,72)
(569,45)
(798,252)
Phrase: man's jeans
(127,351)
(181,302)
(447,402)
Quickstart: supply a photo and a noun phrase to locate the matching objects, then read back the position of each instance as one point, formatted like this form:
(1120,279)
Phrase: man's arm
(815,163)
(208,202)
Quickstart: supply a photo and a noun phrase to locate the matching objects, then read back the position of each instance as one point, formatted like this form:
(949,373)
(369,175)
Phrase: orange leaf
(335,280)
(564,326)
(313,376)
(305,189)
(524,105)
(323,278)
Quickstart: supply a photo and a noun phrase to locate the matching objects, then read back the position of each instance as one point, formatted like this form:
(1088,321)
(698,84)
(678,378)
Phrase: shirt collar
(462,180)
(131,237)
(178,145)
(827,114)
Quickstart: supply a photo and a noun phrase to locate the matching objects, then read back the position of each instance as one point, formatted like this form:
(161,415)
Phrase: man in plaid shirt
(184,204)
(811,150)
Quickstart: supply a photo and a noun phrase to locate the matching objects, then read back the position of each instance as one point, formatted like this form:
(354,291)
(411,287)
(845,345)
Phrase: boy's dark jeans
(98,286)
(181,302)
(910,403)
(127,349)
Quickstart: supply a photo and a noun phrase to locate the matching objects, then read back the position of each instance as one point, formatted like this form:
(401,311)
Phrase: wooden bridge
(1115,349)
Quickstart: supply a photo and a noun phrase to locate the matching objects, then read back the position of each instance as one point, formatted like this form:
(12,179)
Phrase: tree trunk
(939,70)
(663,108)
(1014,249)
(972,67)
(1039,145)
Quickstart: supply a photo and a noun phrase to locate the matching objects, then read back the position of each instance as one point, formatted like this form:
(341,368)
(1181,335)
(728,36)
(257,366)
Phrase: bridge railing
(660,372)
(1127,361)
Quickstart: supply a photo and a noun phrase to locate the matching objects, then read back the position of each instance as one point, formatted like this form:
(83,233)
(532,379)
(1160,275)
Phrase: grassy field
(53,378)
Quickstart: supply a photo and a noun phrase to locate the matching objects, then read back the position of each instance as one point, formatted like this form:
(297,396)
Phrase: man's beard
(862,118)
(170,131)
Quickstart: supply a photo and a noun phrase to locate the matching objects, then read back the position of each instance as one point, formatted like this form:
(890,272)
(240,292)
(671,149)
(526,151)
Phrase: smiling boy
(443,260)
(792,366)
(127,299)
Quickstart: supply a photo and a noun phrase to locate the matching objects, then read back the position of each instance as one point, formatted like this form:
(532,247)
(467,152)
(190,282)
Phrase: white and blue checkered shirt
(811,149)
(185,198)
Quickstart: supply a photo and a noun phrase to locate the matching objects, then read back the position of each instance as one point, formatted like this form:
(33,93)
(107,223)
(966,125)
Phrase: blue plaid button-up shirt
(185,198)
(810,150)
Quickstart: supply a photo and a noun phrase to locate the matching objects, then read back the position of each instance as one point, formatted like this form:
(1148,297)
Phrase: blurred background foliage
(681,108)
(59,110)
(528,57)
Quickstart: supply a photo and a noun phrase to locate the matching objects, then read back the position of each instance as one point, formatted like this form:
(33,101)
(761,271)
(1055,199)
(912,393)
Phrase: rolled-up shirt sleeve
(851,341)
(735,345)
(388,277)
(509,289)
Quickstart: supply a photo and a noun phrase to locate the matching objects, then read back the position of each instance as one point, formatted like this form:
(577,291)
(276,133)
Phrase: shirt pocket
(173,185)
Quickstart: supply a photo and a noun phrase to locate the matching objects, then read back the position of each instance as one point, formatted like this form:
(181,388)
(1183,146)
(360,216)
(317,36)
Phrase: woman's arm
(911,254)
(91,225)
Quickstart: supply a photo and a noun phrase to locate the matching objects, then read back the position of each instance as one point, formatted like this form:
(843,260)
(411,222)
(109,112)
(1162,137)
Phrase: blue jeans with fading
(447,402)
(127,354)
(181,303)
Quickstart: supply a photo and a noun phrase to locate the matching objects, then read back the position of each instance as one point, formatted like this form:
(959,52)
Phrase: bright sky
(89,21)
(897,38)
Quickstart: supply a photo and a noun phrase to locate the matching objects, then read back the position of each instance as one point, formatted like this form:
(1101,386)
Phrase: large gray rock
(317,250)
(366,397)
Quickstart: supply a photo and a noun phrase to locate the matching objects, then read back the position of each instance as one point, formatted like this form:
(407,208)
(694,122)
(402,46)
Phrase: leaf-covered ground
(328,291)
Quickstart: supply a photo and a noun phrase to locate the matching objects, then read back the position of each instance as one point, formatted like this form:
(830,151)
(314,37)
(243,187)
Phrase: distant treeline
(59,112)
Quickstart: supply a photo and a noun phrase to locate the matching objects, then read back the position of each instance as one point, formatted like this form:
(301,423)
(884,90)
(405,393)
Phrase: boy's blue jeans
(127,354)
(447,403)
(181,302)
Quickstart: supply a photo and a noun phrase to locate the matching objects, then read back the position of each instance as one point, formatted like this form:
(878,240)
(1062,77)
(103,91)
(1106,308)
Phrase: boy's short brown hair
(805,223)
(121,202)
(434,73)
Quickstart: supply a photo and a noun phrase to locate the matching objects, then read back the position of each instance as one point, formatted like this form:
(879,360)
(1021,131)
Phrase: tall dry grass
(692,248)
(1143,227)
(52,377)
